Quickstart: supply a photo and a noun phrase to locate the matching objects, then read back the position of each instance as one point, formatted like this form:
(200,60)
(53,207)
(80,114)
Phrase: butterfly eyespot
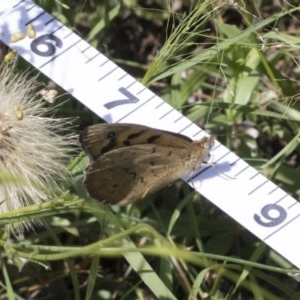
(111,135)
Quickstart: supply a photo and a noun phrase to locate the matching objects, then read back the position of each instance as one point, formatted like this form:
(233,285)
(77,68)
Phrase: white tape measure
(251,199)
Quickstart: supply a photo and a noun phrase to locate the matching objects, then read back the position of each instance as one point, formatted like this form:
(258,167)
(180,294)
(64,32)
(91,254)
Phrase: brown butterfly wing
(99,139)
(128,174)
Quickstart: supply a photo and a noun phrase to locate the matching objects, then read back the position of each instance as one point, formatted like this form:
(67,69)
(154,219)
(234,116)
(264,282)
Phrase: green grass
(225,76)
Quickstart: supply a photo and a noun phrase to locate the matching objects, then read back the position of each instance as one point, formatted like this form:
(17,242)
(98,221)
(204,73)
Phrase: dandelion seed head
(33,153)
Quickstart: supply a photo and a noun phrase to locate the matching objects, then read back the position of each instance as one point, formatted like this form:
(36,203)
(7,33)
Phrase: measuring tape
(251,199)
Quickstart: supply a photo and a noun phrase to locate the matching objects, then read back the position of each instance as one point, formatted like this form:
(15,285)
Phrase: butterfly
(129,161)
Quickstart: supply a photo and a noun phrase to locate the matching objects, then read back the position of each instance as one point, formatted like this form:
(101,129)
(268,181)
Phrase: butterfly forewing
(101,138)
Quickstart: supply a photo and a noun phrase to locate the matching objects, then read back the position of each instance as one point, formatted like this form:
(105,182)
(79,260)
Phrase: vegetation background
(233,68)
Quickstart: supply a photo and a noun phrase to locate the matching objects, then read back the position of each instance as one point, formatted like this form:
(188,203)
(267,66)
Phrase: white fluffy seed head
(33,152)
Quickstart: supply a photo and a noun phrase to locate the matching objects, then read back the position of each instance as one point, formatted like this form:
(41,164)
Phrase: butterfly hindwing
(122,176)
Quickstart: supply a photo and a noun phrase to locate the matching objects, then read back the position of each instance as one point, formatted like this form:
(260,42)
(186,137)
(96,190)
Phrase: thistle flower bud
(33,153)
